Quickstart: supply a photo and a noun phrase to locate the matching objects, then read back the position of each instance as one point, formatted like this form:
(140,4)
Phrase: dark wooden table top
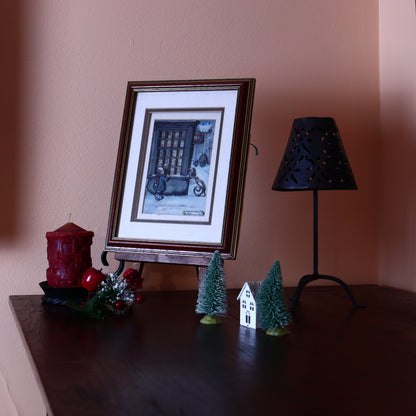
(159,360)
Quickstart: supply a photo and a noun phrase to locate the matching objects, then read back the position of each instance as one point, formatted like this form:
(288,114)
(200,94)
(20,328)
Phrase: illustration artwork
(179,168)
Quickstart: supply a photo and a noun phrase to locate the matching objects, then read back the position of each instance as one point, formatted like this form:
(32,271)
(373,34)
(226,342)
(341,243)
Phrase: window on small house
(248,319)
(244,304)
(248,293)
(251,306)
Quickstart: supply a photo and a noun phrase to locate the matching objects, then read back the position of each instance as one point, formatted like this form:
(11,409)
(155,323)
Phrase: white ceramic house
(248,305)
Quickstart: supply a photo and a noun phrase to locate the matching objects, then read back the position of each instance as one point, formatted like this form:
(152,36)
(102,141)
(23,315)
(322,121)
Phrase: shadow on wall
(9,117)
(398,221)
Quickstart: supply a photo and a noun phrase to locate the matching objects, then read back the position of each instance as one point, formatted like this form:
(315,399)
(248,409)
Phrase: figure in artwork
(159,183)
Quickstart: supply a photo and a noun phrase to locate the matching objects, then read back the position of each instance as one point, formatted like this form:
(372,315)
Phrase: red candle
(69,255)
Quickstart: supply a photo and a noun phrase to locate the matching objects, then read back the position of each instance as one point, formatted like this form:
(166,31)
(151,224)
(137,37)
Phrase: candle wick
(69,218)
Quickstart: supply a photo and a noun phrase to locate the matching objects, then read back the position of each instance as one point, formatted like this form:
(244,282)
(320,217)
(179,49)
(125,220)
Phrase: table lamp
(315,160)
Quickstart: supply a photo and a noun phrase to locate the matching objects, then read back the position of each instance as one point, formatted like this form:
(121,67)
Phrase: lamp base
(312,277)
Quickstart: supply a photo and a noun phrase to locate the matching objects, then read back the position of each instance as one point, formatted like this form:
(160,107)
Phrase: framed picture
(180,170)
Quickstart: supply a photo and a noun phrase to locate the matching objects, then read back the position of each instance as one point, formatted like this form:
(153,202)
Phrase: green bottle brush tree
(212,294)
(273,313)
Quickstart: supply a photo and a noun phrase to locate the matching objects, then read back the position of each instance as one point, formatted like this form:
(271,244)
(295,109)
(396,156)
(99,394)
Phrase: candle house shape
(69,255)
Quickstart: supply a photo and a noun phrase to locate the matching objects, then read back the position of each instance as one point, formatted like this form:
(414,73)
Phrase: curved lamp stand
(315,276)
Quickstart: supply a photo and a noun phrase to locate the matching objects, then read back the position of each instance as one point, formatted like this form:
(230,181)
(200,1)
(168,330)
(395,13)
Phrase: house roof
(253,286)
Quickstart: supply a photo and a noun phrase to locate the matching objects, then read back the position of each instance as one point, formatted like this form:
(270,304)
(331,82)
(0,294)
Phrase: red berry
(139,298)
(128,273)
(118,304)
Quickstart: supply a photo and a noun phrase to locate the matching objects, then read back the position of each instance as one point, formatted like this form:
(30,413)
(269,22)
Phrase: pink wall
(64,79)
(398,134)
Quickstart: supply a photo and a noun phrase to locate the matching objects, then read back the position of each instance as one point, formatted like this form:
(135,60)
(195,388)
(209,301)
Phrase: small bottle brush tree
(212,294)
(273,313)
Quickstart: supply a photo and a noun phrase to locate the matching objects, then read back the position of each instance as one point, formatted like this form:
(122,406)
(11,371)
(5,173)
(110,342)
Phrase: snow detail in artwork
(189,204)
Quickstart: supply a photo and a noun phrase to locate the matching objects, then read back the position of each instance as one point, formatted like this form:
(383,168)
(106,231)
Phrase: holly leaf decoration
(92,309)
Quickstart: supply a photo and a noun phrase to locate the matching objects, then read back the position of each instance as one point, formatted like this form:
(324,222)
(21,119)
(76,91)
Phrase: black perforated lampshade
(314,158)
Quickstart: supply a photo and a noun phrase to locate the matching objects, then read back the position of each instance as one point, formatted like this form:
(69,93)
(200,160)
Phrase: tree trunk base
(277,332)
(210,320)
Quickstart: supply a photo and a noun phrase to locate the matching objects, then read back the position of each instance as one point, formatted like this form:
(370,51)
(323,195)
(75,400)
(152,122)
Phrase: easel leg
(140,266)
(200,271)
